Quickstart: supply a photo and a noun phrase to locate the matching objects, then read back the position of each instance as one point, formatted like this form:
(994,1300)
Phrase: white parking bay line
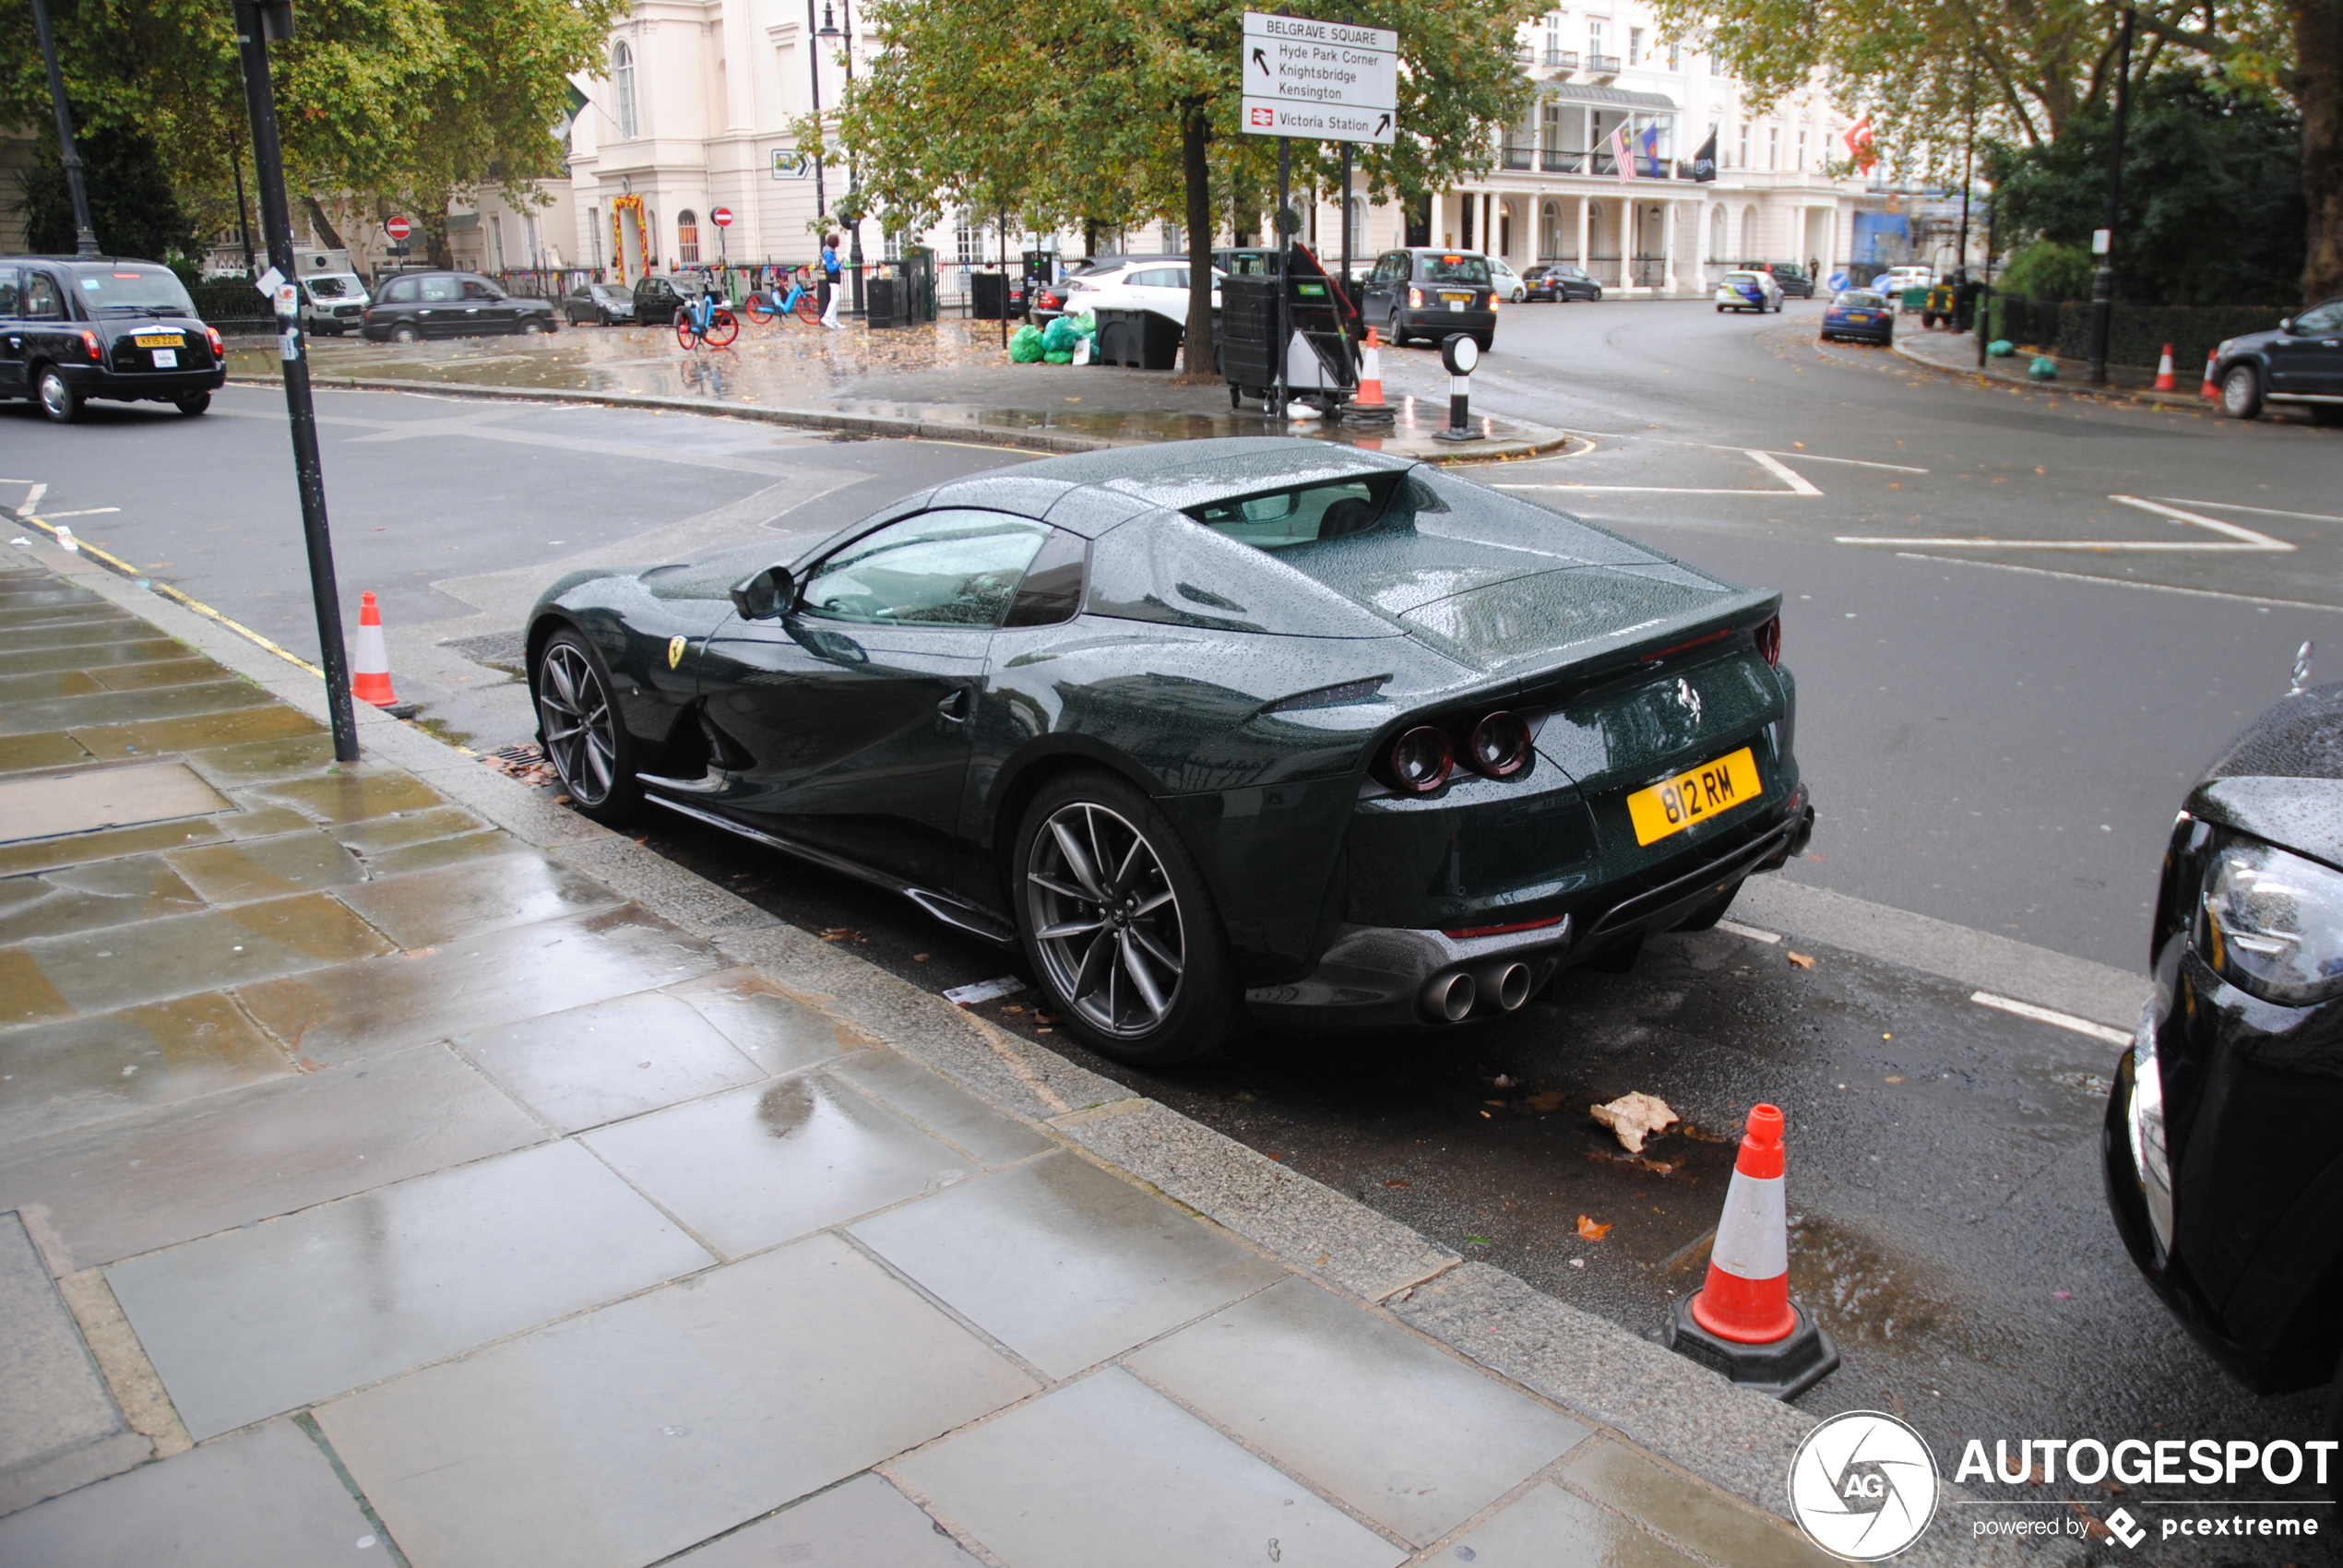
(1798,484)
(2239,537)
(1748,932)
(2045,1016)
(2224,505)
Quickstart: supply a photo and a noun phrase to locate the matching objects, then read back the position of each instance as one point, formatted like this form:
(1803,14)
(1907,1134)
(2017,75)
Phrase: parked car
(1897,280)
(73,329)
(450,305)
(1157,286)
(1787,276)
(1509,284)
(333,300)
(1561,281)
(1859,313)
(1255,724)
(1748,290)
(2300,363)
(608,303)
(2223,1142)
(1430,294)
(658,297)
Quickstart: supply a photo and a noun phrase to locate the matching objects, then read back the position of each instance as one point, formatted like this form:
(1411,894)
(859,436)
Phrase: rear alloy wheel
(531,326)
(2242,393)
(1118,926)
(406,332)
(580,728)
(58,398)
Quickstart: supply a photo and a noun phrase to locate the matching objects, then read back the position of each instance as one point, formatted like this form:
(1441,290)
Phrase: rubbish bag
(1060,356)
(2044,368)
(2000,348)
(1025,345)
(1086,324)
(1058,337)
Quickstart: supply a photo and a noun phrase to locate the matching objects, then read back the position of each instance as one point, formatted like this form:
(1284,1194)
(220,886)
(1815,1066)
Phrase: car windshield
(1750,277)
(1856,299)
(1783,269)
(148,291)
(1452,268)
(330,288)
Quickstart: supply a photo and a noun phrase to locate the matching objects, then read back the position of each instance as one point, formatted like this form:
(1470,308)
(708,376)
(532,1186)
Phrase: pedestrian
(829,282)
(1813,268)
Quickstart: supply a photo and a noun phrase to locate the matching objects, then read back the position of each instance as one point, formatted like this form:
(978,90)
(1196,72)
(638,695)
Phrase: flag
(1704,162)
(1651,139)
(1859,145)
(1622,159)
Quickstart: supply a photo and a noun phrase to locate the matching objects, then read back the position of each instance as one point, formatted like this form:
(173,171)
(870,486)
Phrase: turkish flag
(1859,145)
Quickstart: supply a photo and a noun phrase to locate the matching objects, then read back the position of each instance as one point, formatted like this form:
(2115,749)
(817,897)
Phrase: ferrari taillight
(1499,746)
(1420,761)
(1768,640)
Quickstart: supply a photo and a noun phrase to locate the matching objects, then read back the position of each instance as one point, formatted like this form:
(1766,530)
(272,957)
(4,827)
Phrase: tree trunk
(1197,174)
(2318,90)
(325,228)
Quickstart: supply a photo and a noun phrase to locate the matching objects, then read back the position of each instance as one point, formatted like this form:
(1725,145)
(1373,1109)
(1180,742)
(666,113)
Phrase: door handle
(956,706)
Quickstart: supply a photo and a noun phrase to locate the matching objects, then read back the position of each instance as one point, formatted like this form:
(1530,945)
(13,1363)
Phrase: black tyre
(56,396)
(2241,392)
(195,403)
(580,728)
(1485,340)
(531,326)
(406,332)
(1118,926)
(1399,334)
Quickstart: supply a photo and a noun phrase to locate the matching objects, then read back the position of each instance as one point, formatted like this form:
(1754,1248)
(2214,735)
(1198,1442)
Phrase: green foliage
(131,204)
(2212,208)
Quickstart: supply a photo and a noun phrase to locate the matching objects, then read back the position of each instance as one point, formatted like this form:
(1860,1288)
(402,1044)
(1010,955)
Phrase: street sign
(790,165)
(722,217)
(1324,81)
(398,228)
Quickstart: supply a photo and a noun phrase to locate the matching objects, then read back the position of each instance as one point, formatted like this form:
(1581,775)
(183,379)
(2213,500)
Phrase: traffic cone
(1742,1323)
(2164,381)
(2208,389)
(369,659)
(1368,406)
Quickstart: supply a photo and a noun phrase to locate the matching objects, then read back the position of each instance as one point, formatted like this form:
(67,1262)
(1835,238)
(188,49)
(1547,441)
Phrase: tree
(2023,69)
(132,207)
(1099,109)
(2212,208)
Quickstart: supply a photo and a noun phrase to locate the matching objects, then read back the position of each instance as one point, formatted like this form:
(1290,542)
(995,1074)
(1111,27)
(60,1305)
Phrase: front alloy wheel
(580,728)
(2241,392)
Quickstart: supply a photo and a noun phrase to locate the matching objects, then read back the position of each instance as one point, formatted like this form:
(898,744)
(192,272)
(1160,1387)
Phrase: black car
(2300,363)
(658,297)
(450,305)
(2223,1146)
(608,303)
(1430,294)
(1561,281)
(1789,277)
(1210,728)
(81,327)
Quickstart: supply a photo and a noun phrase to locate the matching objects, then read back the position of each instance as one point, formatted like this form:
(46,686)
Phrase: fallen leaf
(1394,1183)
(1498,1103)
(1578,1263)
(843,933)
(1896,1079)
(918,958)
(1801,960)
(1590,1231)
(1635,1117)
(1479,1241)
(1550,1100)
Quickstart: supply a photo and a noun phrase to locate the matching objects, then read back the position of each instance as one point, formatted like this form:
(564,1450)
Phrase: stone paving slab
(59,1426)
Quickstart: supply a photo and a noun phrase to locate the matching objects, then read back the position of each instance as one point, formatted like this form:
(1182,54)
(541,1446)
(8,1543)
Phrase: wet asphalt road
(2000,748)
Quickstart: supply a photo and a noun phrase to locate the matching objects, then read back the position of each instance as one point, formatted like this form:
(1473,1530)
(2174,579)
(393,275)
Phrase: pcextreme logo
(1863,1486)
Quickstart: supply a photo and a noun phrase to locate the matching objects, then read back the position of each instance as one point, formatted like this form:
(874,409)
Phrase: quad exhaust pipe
(1448,998)
(1499,986)
(1503,983)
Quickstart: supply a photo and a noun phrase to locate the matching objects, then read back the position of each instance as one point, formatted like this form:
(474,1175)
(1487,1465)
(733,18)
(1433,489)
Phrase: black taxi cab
(73,328)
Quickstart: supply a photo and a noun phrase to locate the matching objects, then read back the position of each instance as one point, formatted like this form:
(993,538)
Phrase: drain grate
(524,762)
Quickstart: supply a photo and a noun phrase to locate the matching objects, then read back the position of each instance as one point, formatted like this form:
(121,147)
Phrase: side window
(11,290)
(476,289)
(1051,592)
(948,568)
(441,288)
(2326,319)
(1298,516)
(43,300)
(400,292)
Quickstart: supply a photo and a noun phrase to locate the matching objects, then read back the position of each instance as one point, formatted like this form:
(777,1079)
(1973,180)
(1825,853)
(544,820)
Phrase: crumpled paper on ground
(1635,1117)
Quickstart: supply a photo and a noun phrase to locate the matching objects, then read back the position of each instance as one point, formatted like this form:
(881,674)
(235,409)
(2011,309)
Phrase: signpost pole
(258,21)
(1345,221)
(1284,221)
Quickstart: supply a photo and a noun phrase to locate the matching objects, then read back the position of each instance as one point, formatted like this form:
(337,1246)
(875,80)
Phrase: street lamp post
(853,175)
(258,22)
(85,238)
(2103,276)
(813,60)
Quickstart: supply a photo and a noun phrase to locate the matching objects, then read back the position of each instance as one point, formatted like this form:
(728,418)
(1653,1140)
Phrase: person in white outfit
(829,282)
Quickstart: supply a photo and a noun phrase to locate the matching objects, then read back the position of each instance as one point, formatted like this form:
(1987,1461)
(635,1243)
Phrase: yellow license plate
(1711,789)
(159,340)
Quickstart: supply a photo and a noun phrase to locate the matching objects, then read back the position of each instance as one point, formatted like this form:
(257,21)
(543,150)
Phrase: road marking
(2257,511)
(2120,582)
(1713,446)
(2240,536)
(85,512)
(1750,932)
(1798,484)
(2045,1016)
(1853,462)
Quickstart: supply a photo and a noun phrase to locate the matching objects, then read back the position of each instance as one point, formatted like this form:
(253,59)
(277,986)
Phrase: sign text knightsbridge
(1322,81)
(1864,1486)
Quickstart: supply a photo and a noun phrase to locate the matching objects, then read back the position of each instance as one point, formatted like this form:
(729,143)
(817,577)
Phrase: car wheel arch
(1032,768)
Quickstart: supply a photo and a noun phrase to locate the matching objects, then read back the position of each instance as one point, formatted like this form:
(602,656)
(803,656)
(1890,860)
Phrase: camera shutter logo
(1863,1486)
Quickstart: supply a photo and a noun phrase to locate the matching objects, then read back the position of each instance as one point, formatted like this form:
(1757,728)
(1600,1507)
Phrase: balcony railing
(1554,160)
(1517,156)
(1561,59)
(1603,64)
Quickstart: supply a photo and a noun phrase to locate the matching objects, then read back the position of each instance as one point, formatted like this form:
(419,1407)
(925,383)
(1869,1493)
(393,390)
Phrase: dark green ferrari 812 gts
(1210,728)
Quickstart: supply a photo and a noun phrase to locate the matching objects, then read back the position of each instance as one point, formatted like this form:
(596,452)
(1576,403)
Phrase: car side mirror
(769,594)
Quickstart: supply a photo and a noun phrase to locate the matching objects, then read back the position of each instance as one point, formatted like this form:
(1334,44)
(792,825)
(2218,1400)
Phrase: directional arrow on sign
(1382,125)
(1261,59)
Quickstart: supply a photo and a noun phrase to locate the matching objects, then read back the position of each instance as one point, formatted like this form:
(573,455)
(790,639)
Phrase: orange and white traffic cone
(370,659)
(2164,379)
(1368,406)
(1742,1323)
(2212,356)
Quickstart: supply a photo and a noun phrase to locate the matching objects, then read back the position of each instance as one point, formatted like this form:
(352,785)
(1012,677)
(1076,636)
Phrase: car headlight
(2144,1118)
(2273,924)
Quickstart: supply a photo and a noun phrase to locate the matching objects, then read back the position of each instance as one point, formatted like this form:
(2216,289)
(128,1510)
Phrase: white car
(1895,279)
(1159,286)
(1509,286)
(1748,290)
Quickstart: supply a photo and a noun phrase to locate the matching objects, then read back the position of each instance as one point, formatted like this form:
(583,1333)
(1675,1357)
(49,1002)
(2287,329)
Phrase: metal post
(85,237)
(814,59)
(1985,290)
(1285,243)
(256,23)
(2103,278)
(1345,221)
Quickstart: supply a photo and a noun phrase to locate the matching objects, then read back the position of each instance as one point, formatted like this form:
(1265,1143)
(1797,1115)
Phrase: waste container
(1140,339)
(989,295)
(917,271)
(879,302)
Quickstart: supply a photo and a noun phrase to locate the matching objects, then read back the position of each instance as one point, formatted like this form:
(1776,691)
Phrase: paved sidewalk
(393,1163)
(1957,352)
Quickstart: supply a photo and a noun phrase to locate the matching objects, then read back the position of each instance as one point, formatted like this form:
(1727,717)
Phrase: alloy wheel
(56,398)
(1105,921)
(580,724)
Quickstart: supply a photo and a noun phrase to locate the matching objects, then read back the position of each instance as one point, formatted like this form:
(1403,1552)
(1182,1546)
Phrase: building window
(687,237)
(891,244)
(496,233)
(1675,56)
(968,243)
(1740,161)
(1715,65)
(1634,46)
(1772,146)
(1801,151)
(622,76)
(1594,35)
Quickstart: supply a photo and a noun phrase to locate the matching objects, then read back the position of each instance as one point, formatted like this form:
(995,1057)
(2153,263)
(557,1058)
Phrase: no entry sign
(398,228)
(723,217)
